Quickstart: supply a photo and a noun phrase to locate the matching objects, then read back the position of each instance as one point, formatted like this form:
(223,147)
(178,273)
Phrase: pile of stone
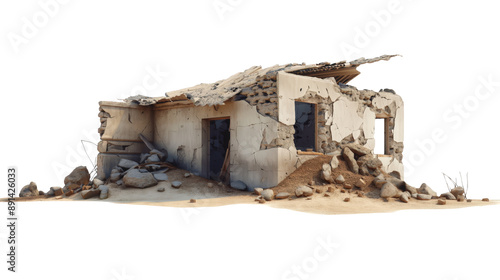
(146,173)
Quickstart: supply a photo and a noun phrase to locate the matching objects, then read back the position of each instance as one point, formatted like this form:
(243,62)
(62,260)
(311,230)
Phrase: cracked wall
(120,127)
(345,114)
(257,155)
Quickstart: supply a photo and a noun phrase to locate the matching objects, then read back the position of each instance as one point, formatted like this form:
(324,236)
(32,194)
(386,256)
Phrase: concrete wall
(345,114)
(252,160)
(121,125)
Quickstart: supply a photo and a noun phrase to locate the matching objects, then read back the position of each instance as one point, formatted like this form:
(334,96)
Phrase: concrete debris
(90,193)
(176,184)
(136,179)
(29,190)
(79,176)
(326,173)
(268,194)
(153,158)
(258,191)
(448,196)
(425,189)
(127,164)
(160,176)
(389,190)
(303,191)
(457,191)
(340,179)
(334,163)
(96,182)
(104,191)
(348,156)
(421,196)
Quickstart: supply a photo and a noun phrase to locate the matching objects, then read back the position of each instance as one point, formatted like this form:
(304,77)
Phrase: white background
(53,74)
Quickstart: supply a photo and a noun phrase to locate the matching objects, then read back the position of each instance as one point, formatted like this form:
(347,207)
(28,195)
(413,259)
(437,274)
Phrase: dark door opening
(219,152)
(305,126)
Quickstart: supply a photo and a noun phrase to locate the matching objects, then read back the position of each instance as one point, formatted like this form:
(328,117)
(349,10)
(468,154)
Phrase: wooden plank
(224,173)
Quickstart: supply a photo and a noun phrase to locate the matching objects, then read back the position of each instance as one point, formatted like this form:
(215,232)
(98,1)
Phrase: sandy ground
(197,188)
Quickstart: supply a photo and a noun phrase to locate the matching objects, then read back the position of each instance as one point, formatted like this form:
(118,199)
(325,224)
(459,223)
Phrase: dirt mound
(311,170)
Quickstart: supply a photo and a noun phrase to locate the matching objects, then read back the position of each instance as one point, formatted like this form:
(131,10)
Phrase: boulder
(421,196)
(176,184)
(457,191)
(282,195)
(104,191)
(334,163)
(404,197)
(90,193)
(29,190)
(160,176)
(425,189)
(135,179)
(348,156)
(268,194)
(239,185)
(441,201)
(358,149)
(389,190)
(448,196)
(340,179)
(79,176)
(127,164)
(258,191)
(303,191)
(326,173)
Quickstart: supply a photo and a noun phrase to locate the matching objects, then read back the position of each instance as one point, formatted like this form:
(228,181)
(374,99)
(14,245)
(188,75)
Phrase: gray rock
(136,179)
(282,195)
(160,189)
(97,182)
(425,189)
(153,158)
(160,176)
(404,197)
(187,175)
(460,197)
(127,164)
(414,195)
(395,174)
(326,173)
(457,191)
(334,163)
(114,177)
(400,184)
(378,183)
(358,149)
(389,190)
(410,189)
(176,184)
(268,194)
(50,193)
(56,190)
(340,179)
(448,196)
(239,185)
(303,191)
(90,193)
(29,190)
(79,176)
(348,156)
(422,196)
(258,191)
(104,191)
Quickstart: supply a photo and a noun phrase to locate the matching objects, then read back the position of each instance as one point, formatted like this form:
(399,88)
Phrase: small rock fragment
(268,194)
(258,191)
(282,195)
(441,201)
(347,199)
(421,196)
(192,200)
(160,189)
(176,184)
(340,179)
(485,199)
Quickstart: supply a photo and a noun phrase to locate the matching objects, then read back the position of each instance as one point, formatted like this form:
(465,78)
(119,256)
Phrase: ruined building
(252,128)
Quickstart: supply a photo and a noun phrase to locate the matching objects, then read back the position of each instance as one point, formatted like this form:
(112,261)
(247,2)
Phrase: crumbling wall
(345,115)
(257,157)
(121,125)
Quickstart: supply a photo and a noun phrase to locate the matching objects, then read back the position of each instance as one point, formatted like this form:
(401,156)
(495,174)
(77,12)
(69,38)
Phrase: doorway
(305,126)
(216,149)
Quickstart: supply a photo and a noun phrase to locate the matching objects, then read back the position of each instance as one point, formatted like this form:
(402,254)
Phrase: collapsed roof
(217,93)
